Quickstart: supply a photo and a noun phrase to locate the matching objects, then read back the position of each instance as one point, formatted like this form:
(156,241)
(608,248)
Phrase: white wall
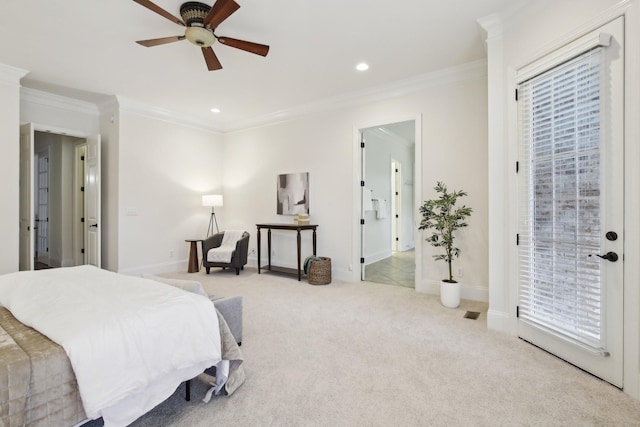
(9,166)
(453,147)
(109,122)
(163,170)
(513,42)
(58,114)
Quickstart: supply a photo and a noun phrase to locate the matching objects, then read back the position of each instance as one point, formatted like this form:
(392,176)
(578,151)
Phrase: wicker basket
(320,271)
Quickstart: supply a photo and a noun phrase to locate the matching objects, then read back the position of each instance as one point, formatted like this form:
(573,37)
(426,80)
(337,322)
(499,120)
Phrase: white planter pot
(450,294)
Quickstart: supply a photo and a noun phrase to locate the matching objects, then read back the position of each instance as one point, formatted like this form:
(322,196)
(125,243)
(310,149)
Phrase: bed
(81,343)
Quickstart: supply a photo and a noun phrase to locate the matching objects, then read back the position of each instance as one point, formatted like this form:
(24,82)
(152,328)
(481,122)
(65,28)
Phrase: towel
(368,202)
(224,252)
(381,209)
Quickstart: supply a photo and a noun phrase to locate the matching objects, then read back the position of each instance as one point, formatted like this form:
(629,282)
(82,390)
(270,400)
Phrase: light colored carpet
(367,354)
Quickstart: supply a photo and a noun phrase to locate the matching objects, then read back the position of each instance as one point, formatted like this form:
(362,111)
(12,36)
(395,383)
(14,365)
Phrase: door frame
(503,204)
(38,127)
(357,247)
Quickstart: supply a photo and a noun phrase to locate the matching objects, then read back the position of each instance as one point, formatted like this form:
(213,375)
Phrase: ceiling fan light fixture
(200,36)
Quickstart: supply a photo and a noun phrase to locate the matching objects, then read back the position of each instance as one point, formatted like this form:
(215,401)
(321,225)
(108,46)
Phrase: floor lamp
(212,200)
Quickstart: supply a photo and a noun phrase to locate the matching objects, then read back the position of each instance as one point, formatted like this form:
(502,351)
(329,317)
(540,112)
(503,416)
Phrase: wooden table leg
(299,242)
(269,246)
(258,249)
(193,258)
(314,242)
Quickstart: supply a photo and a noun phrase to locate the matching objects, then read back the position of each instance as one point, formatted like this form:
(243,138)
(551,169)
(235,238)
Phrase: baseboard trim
(499,321)
(468,291)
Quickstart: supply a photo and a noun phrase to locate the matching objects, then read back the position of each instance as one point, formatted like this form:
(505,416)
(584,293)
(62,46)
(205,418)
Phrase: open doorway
(59,199)
(388,218)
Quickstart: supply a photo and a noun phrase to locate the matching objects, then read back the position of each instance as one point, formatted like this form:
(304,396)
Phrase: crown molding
(157,113)
(109,104)
(11,75)
(34,96)
(441,78)
(469,71)
(492,26)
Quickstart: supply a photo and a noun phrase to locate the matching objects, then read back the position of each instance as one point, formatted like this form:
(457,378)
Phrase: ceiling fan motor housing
(193,14)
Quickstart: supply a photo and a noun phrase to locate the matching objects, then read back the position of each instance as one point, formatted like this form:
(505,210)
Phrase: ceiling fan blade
(163,40)
(221,10)
(160,11)
(211,59)
(258,49)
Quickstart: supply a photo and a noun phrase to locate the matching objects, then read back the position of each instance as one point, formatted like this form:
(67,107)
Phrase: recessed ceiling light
(363,66)
(215,110)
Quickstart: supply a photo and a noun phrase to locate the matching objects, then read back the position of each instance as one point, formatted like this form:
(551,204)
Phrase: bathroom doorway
(388,199)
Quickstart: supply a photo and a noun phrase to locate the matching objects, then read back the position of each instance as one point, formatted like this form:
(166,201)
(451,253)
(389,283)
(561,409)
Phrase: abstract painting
(293,193)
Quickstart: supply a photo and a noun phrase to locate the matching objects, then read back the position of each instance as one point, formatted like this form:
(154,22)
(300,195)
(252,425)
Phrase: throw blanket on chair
(224,252)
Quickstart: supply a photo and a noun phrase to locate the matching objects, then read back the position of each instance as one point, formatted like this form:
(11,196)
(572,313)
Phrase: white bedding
(131,341)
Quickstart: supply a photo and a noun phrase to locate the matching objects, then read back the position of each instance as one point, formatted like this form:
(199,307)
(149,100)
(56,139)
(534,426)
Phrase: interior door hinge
(516,94)
(361,221)
(362,144)
(81,188)
(82,250)
(517,311)
(82,158)
(517,167)
(81,219)
(361,183)
(361,260)
(517,239)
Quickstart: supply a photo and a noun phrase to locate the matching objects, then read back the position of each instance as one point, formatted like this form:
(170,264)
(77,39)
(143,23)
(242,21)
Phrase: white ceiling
(86,49)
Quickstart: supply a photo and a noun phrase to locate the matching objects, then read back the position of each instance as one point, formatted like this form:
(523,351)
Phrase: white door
(26,243)
(92,199)
(396,206)
(363,198)
(571,199)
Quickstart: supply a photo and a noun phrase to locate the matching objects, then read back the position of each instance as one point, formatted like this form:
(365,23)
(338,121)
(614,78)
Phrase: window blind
(559,114)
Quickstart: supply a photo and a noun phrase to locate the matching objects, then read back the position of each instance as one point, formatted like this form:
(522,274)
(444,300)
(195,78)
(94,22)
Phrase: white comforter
(131,341)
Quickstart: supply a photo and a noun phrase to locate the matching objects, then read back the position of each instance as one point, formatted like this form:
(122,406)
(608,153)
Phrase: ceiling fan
(201,21)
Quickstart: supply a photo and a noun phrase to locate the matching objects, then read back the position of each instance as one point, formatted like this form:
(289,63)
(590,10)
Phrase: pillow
(187,285)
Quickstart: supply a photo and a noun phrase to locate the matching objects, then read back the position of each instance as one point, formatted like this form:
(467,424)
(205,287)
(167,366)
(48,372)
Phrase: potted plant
(443,217)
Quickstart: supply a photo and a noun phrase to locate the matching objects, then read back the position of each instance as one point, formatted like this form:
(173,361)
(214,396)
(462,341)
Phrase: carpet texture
(367,354)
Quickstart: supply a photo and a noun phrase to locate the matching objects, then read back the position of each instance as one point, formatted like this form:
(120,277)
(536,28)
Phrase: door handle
(609,256)
(96,226)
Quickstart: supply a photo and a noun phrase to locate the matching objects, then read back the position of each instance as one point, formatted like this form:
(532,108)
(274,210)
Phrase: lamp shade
(212,200)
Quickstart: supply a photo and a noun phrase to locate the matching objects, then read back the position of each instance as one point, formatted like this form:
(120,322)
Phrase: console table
(291,227)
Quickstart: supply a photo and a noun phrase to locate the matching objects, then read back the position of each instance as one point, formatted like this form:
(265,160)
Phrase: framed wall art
(293,193)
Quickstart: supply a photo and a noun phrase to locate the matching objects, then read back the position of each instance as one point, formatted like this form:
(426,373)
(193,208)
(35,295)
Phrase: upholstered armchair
(238,257)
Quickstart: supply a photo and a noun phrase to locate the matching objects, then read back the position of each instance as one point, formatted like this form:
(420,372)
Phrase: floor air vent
(472,315)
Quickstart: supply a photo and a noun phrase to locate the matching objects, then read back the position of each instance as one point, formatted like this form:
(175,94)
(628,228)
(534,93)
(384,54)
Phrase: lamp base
(212,220)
